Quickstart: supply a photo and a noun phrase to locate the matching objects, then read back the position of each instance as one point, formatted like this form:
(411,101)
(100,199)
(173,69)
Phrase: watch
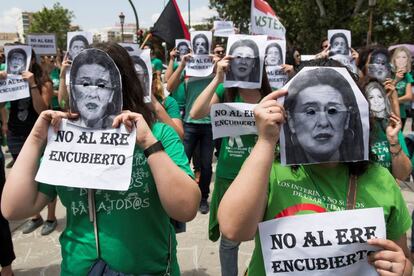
(157,146)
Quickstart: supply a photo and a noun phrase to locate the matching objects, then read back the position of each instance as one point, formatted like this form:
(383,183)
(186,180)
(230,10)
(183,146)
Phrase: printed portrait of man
(77,44)
(16,61)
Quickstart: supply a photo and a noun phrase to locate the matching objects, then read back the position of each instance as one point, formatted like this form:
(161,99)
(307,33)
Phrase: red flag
(170,25)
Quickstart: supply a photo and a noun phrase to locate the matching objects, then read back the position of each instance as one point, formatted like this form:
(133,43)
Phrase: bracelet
(157,146)
(395,154)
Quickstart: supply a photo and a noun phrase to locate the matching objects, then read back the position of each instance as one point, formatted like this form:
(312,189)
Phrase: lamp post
(189,12)
(371,4)
(122,20)
(136,19)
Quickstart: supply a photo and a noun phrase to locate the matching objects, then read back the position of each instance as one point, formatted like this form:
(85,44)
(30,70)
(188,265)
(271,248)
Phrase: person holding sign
(245,65)
(233,152)
(133,226)
(264,190)
(339,44)
(76,45)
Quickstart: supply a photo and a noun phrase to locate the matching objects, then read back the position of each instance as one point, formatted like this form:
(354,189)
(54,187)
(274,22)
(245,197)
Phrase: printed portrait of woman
(16,61)
(339,44)
(273,55)
(95,89)
(379,67)
(142,73)
(245,62)
(182,48)
(323,119)
(379,104)
(200,44)
(77,44)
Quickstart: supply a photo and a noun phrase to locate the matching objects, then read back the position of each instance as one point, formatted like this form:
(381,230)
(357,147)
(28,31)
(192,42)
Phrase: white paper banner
(263,20)
(332,243)
(199,66)
(13,88)
(232,119)
(223,28)
(18,58)
(84,158)
(42,44)
(275,55)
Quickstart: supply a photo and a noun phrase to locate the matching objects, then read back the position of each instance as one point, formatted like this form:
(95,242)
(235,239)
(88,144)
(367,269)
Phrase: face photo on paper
(95,89)
(183,47)
(77,42)
(275,54)
(379,104)
(340,42)
(201,42)
(246,65)
(327,118)
(18,58)
(379,67)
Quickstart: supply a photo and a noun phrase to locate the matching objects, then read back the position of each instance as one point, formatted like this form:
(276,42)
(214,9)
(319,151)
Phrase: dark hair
(290,59)
(16,51)
(78,38)
(132,93)
(253,76)
(352,135)
(341,35)
(183,43)
(203,36)
(274,44)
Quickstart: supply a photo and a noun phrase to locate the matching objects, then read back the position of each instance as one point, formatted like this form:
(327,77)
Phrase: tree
(307,22)
(55,20)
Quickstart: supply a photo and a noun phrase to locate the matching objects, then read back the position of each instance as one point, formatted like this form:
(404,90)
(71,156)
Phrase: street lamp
(122,20)
(371,4)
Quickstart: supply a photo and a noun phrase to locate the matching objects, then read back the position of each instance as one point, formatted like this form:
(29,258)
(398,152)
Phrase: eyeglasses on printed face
(97,85)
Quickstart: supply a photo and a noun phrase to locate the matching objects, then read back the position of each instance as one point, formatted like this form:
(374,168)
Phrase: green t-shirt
(2,66)
(179,93)
(134,228)
(194,87)
(288,188)
(54,76)
(171,106)
(381,148)
(156,64)
(401,86)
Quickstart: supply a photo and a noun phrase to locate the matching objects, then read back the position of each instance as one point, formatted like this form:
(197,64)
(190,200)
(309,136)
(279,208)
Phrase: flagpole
(145,40)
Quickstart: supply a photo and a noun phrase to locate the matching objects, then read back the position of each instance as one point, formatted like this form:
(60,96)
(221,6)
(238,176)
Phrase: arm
(21,198)
(244,203)
(41,95)
(407,96)
(208,97)
(179,194)
(163,116)
(170,68)
(63,94)
(392,96)
(174,80)
(4,119)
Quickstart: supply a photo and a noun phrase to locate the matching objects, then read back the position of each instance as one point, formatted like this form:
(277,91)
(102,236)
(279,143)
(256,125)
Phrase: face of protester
(242,62)
(339,46)
(219,51)
(17,63)
(319,122)
(77,47)
(377,102)
(93,92)
(401,60)
(183,50)
(378,68)
(273,56)
(200,46)
(325,44)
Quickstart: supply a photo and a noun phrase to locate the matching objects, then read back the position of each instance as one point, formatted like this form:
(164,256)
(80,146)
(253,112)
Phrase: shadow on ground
(51,270)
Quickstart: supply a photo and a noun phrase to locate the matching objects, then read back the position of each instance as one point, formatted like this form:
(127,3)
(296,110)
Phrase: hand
(173,54)
(355,55)
(49,117)
(65,65)
(222,67)
(400,74)
(324,54)
(145,138)
(3,75)
(186,58)
(388,261)
(270,115)
(394,126)
(288,69)
(29,77)
(389,86)
(4,128)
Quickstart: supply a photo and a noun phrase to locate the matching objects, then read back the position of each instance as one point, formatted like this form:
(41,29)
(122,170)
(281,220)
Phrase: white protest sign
(339,42)
(201,42)
(223,28)
(42,44)
(275,55)
(332,243)
(199,66)
(263,20)
(232,119)
(85,158)
(183,47)
(13,88)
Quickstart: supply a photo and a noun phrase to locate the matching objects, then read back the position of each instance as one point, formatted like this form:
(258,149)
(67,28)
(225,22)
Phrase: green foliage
(307,23)
(55,20)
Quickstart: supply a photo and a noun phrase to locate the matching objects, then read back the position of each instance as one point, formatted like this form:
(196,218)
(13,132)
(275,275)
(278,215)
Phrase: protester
(257,194)
(245,64)
(156,62)
(125,235)
(230,159)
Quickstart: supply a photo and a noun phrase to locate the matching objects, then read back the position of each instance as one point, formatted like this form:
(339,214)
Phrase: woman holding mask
(245,64)
(137,240)
(256,194)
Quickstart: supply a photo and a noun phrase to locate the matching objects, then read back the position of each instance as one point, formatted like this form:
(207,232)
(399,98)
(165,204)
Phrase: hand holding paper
(222,67)
(389,261)
(49,117)
(29,77)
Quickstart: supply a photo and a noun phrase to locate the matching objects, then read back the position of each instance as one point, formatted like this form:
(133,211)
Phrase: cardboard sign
(199,66)
(332,243)
(13,88)
(223,28)
(232,119)
(42,44)
(87,158)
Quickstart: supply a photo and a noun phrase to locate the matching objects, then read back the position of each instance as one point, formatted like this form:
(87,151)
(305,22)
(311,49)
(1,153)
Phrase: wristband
(157,146)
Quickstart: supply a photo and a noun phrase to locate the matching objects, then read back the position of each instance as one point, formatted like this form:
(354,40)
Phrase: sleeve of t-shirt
(172,108)
(157,64)
(173,146)
(401,141)
(220,92)
(409,78)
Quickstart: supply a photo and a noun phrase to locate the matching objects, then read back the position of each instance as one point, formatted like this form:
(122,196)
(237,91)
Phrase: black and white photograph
(246,66)
(327,118)
(201,42)
(379,67)
(275,53)
(340,42)
(379,103)
(223,28)
(95,89)
(17,58)
(77,42)
(183,47)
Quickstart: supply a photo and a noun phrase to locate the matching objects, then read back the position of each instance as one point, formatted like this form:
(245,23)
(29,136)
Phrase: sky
(90,18)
